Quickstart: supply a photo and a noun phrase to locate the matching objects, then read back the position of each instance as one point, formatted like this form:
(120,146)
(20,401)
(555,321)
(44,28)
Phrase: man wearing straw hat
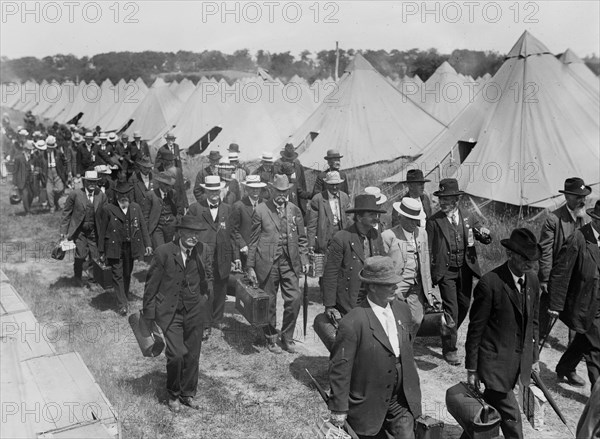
(277,256)
(57,173)
(381,200)
(501,347)
(165,209)
(23,175)
(372,373)
(171,147)
(416,190)
(347,252)
(266,172)
(241,218)
(231,191)
(333,158)
(214,157)
(40,168)
(176,297)
(80,222)
(140,145)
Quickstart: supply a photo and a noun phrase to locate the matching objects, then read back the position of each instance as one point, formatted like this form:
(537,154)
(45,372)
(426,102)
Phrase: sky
(87,28)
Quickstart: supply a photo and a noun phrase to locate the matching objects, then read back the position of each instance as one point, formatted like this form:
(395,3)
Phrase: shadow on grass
(140,275)
(421,347)
(240,336)
(153,382)
(63,282)
(549,378)
(104,301)
(317,366)
(555,343)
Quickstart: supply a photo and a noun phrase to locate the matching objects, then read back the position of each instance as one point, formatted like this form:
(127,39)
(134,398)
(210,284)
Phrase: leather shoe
(174,405)
(274,347)
(571,378)
(206,334)
(452,358)
(123,311)
(288,345)
(190,402)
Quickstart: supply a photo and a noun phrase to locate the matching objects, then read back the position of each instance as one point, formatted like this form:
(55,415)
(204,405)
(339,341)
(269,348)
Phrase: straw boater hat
(89,136)
(365,203)
(379,270)
(372,190)
(40,145)
(267,157)
(51,142)
(23,132)
(212,183)
(103,136)
(523,242)
(225,169)
(333,177)
(190,222)
(112,137)
(163,177)
(170,135)
(102,169)
(233,157)
(576,186)
(333,154)
(448,188)
(415,176)
(281,182)
(595,212)
(254,181)
(408,207)
(137,135)
(91,176)
(29,145)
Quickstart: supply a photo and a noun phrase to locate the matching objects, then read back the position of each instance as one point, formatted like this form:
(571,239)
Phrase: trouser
(163,233)
(546,321)
(218,299)
(455,289)
(588,345)
(282,274)
(183,338)
(27,197)
(54,188)
(399,422)
(39,188)
(509,411)
(85,250)
(121,274)
(412,295)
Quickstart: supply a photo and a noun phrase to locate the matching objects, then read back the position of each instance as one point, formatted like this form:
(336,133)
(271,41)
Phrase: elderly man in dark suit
(277,256)
(241,218)
(57,173)
(122,238)
(574,289)
(214,158)
(127,154)
(266,171)
(502,340)
(333,158)
(80,222)
(171,147)
(373,377)
(140,145)
(218,241)
(558,226)
(86,155)
(165,209)
(141,181)
(347,253)
(176,296)
(168,165)
(416,190)
(23,175)
(452,233)
(289,165)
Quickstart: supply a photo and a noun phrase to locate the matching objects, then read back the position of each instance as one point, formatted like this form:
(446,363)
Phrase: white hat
(112,137)
(41,145)
(103,136)
(408,207)
(51,142)
(91,175)
(102,169)
(372,190)
(234,157)
(254,181)
(23,132)
(267,157)
(333,177)
(28,145)
(212,182)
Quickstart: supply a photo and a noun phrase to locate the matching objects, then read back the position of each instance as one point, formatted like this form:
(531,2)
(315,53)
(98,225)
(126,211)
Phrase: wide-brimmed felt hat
(408,207)
(523,242)
(267,157)
(123,187)
(112,137)
(254,181)
(212,182)
(576,186)
(379,270)
(234,147)
(333,154)
(365,203)
(190,222)
(288,152)
(40,145)
(281,182)
(415,176)
(333,177)
(163,177)
(91,176)
(595,212)
(144,162)
(373,190)
(51,142)
(448,188)
(214,156)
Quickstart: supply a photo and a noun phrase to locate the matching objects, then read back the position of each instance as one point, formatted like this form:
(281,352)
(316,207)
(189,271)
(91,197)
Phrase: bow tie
(213,206)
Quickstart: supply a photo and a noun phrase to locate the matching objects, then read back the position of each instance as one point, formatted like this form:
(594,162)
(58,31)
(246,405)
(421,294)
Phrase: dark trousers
(509,410)
(456,289)
(183,338)
(163,233)
(27,197)
(121,274)
(282,274)
(86,249)
(588,345)
(218,299)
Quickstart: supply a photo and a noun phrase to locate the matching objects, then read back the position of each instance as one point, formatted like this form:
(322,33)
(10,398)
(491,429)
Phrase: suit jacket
(22,174)
(156,203)
(74,211)
(110,236)
(362,368)
(345,259)
(574,284)
(199,190)
(320,220)
(179,187)
(218,238)
(265,177)
(104,157)
(502,343)
(320,183)
(128,156)
(62,168)
(241,224)
(558,226)
(141,147)
(165,281)
(438,232)
(141,194)
(159,162)
(86,160)
(264,239)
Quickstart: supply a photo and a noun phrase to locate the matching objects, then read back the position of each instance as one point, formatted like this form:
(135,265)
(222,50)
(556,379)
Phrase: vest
(166,213)
(126,231)
(89,220)
(457,245)
(190,288)
(282,248)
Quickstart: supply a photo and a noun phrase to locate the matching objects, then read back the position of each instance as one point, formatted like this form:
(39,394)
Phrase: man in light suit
(372,373)
(416,190)
(277,256)
(452,233)
(502,340)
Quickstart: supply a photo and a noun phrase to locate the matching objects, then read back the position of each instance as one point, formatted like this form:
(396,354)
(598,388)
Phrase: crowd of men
(378,281)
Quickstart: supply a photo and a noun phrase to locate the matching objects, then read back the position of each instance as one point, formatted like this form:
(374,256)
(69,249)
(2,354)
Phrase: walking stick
(547,334)
(305,304)
(538,382)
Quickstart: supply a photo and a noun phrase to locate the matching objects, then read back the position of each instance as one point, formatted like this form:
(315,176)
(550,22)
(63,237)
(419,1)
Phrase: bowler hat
(333,154)
(576,186)
(595,212)
(448,188)
(365,203)
(190,222)
(212,182)
(145,162)
(163,177)
(379,270)
(123,187)
(333,177)
(234,147)
(281,182)
(214,156)
(408,207)
(415,176)
(288,152)
(15,198)
(372,190)
(523,242)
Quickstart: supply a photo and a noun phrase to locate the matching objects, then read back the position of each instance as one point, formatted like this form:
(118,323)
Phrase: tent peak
(359,63)
(527,45)
(569,57)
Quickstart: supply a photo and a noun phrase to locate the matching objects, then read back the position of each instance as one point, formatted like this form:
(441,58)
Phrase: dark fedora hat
(365,203)
(448,188)
(190,222)
(234,147)
(144,162)
(333,154)
(288,152)
(214,155)
(576,186)
(123,187)
(595,212)
(415,176)
(163,177)
(379,270)
(523,242)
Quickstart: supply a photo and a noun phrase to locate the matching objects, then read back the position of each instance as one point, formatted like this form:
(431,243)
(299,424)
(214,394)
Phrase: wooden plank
(38,408)
(10,300)
(32,337)
(94,430)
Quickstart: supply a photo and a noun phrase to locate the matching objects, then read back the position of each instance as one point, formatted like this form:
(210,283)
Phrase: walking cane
(547,334)
(538,382)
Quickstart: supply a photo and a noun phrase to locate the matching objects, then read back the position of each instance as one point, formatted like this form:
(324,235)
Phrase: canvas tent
(578,67)
(129,95)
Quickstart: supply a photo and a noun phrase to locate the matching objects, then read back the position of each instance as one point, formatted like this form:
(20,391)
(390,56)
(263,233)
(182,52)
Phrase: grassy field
(244,390)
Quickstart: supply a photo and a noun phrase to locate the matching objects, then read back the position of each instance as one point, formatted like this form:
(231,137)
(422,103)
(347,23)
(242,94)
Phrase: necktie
(188,254)
(366,247)
(91,198)
(521,285)
(280,211)
(453,221)
(389,329)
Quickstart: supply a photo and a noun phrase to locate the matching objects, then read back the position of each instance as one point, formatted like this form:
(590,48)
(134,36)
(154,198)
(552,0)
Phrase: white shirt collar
(596,234)
(380,313)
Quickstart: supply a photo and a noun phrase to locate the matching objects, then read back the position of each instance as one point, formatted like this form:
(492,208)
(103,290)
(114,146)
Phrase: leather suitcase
(252,303)
(431,324)
(428,428)
(102,275)
(478,419)
(325,330)
(234,276)
(149,340)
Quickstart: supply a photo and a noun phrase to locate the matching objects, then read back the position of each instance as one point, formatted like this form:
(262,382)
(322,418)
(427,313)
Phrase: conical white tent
(130,96)
(84,93)
(51,94)
(68,93)
(578,67)
(156,114)
(100,104)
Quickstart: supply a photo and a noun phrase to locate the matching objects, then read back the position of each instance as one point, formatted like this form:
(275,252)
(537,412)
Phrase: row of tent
(513,137)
